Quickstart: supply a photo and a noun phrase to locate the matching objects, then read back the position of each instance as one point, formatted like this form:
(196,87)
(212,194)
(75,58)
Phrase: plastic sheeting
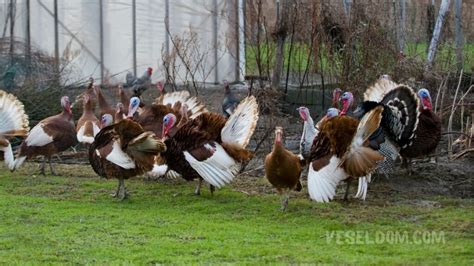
(79,36)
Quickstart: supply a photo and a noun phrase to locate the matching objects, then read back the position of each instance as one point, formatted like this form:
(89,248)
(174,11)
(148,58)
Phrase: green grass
(445,58)
(72,219)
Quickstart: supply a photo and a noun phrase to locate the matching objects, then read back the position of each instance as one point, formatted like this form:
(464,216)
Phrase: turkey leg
(197,191)
(53,172)
(348,185)
(42,166)
(122,193)
(284,202)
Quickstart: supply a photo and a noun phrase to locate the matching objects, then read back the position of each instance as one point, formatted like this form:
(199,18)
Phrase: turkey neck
(103,104)
(88,108)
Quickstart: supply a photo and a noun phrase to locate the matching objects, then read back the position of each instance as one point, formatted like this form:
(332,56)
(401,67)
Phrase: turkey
(124,98)
(427,134)
(283,168)
(340,152)
(230,102)
(13,123)
(309,132)
(151,119)
(210,147)
(123,150)
(119,113)
(50,136)
(398,111)
(399,133)
(347,99)
(90,92)
(88,124)
(139,85)
(104,106)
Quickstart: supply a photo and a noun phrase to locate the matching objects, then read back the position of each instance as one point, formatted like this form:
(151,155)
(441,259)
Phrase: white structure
(103,43)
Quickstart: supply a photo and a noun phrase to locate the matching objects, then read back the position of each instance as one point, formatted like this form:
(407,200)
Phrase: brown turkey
(50,136)
(427,134)
(123,150)
(88,124)
(211,147)
(283,168)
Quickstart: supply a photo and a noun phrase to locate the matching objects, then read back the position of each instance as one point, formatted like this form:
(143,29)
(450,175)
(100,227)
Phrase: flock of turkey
(177,136)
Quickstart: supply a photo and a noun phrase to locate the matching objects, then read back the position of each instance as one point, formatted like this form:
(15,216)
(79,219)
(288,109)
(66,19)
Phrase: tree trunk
(281,31)
(459,33)
(443,10)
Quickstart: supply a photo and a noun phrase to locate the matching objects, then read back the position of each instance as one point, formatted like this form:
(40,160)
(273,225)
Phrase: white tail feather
(363,187)
(8,156)
(12,114)
(217,170)
(194,105)
(322,184)
(19,161)
(241,124)
(377,91)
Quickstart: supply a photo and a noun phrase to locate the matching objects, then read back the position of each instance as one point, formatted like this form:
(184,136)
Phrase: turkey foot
(122,191)
(53,172)
(42,167)
(348,185)
(197,191)
(284,202)
(407,165)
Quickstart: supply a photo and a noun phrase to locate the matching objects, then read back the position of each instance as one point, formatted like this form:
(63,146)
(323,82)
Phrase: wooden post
(459,34)
(437,33)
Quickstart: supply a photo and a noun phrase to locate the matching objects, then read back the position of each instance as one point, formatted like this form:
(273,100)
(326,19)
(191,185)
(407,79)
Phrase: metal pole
(134,31)
(237,38)
(12,26)
(101,39)
(28,30)
(167,23)
(214,33)
(242,35)
(56,35)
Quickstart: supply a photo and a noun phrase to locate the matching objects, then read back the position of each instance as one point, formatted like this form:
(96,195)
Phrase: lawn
(72,219)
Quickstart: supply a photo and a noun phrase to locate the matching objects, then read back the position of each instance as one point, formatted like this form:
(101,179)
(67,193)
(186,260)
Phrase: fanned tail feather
(241,124)
(401,115)
(377,91)
(194,105)
(13,120)
(8,156)
(217,170)
(360,160)
(322,184)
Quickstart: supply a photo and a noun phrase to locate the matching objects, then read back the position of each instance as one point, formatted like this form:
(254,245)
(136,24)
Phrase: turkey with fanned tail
(123,150)
(13,123)
(209,146)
